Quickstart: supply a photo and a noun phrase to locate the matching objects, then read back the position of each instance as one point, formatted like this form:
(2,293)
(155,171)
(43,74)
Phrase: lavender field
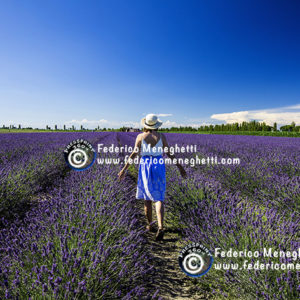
(77,235)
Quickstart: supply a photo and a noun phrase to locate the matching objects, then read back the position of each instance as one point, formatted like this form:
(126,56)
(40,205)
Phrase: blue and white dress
(152,173)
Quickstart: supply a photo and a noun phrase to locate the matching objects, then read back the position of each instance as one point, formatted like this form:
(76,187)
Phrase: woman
(152,175)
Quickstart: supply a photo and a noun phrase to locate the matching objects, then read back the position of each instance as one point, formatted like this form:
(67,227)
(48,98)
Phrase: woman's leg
(159,206)
(148,210)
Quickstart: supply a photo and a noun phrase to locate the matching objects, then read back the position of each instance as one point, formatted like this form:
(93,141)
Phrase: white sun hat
(151,122)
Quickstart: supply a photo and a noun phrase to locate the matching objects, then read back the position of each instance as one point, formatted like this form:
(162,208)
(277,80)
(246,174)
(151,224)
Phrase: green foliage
(253,127)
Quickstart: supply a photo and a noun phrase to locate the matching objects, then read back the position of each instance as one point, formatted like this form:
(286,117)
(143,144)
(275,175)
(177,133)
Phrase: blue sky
(109,63)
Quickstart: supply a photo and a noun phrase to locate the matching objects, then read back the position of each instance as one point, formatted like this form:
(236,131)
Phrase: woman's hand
(182,171)
(121,174)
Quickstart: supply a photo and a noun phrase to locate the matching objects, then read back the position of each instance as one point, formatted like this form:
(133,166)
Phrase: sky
(109,63)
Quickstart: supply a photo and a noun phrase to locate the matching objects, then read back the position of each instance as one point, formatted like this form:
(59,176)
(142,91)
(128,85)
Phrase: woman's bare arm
(137,147)
(166,146)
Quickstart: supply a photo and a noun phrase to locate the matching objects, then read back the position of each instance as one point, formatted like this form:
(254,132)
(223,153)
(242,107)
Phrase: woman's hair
(149,130)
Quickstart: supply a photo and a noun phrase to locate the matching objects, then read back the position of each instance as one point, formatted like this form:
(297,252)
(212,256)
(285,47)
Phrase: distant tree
(290,128)
(243,126)
(55,127)
(293,125)
(19,126)
(286,128)
(275,126)
(64,127)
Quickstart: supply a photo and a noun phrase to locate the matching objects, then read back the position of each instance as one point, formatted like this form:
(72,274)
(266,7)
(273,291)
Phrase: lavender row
(208,214)
(85,241)
(39,164)
(269,169)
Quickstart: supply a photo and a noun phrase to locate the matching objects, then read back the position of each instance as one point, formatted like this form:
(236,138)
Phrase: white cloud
(87,122)
(282,116)
(297,106)
(164,115)
(169,124)
(129,124)
(102,123)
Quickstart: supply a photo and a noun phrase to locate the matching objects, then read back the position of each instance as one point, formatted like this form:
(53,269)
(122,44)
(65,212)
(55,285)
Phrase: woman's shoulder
(140,136)
(164,140)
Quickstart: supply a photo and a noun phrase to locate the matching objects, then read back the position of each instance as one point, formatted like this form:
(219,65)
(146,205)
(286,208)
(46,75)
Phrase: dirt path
(169,278)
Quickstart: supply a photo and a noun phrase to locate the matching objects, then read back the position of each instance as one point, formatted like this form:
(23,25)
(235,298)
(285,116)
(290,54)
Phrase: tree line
(244,126)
